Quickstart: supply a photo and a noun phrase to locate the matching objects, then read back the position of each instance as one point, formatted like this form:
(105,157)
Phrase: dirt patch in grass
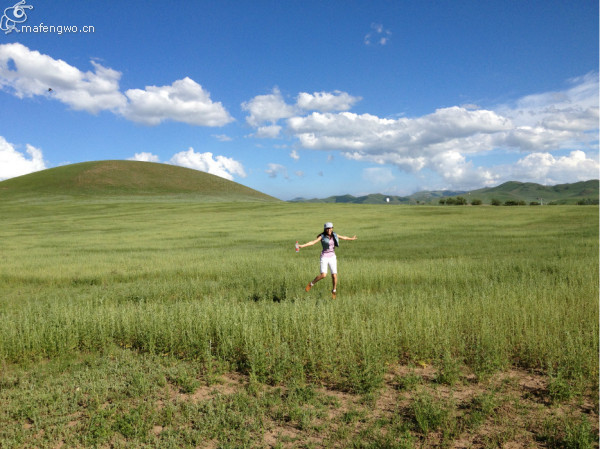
(413,408)
(512,409)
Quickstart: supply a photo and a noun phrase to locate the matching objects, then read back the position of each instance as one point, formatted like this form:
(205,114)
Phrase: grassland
(180,324)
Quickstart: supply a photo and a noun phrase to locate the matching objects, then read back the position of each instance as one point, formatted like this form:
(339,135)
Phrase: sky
(306,98)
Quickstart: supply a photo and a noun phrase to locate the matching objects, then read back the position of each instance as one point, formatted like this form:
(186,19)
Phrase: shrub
(476,202)
(568,432)
(431,414)
(448,371)
(496,202)
(588,202)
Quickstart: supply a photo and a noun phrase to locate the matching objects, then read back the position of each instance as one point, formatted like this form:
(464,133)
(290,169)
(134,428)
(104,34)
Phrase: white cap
(328,225)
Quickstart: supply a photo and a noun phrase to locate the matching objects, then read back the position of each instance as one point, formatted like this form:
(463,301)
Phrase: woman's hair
(323,233)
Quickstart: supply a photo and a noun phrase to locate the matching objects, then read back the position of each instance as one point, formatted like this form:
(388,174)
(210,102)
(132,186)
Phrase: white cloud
(275,170)
(267,109)
(221,166)
(294,155)
(222,137)
(14,163)
(28,73)
(184,101)
(546,169)
(459,173)
(443,140)
(326,101)
(268,132)
(574,109)
(371,135)
(378,35)
(144,157)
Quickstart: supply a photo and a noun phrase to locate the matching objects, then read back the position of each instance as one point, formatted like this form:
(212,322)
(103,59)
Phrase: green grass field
(177,324)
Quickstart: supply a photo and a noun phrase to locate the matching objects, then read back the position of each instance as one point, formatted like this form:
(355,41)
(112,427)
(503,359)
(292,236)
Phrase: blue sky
(306,99)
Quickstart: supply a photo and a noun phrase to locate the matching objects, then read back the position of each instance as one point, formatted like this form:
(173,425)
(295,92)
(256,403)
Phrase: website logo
(13,15)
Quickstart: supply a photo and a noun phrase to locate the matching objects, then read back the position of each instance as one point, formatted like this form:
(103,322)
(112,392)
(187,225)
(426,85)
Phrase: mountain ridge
(529,192)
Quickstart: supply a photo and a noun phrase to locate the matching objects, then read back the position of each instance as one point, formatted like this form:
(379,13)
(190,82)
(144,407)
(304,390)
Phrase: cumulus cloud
(326,101)
(29,73)
(577,166)
(268,132)
(15,163)
(267,109)
(144,157)
(458,172)
(443,141)
(183,101)
(275,170)
(294,155)
(370,135)
(222,166)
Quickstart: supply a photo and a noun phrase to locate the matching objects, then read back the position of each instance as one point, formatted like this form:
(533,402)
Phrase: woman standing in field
(329,240)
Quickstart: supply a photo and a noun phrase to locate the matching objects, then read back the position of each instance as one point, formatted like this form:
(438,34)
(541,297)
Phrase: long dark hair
(324,233)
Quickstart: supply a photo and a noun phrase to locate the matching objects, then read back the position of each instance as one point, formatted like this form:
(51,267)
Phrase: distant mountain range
(509,191)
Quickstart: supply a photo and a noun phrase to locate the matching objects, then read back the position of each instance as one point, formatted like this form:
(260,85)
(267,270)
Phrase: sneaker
(308,287)
(333,292)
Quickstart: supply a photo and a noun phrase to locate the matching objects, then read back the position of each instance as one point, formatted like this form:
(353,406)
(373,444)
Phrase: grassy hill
(126,178)
(512,190)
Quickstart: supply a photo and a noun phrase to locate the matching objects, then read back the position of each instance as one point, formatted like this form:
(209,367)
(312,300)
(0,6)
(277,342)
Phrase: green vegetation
(122,179)
(584,191)
(184,324)
(581,193)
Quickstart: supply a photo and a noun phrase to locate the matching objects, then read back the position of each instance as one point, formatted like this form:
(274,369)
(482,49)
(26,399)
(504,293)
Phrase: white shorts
(331,261)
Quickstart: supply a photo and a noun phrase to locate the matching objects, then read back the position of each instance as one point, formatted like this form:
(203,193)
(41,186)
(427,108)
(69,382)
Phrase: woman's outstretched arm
(343,237)
(318,239)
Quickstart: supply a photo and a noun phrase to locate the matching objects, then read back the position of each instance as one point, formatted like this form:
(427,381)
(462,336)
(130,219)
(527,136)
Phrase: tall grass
(487,287)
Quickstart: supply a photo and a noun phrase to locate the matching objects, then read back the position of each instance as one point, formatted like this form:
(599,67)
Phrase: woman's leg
(334,278)
(315,280)
(319,277)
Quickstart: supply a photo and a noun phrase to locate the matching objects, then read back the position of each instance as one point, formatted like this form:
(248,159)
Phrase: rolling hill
(378,198)
(512,190)
(529,191)
(126,178)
